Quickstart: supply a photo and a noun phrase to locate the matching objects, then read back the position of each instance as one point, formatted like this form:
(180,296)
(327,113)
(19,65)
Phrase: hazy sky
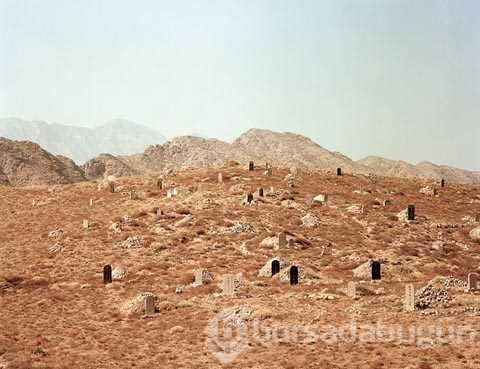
(396,78)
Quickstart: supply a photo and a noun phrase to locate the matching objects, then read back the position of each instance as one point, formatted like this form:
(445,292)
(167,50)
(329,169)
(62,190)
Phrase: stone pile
(430,296)
(133,242)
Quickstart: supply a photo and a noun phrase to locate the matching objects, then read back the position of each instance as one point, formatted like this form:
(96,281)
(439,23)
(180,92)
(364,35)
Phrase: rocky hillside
(107,165)
(393,168)
(279,149)
(26,163)
(117,137)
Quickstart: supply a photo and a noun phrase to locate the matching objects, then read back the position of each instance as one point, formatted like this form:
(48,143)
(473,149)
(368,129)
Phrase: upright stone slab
(442,183)
(107,274)
(411,212)
(272,189)
(149,305)
(339,171)
(86,223)
(159,184)
(34,203)
(229,285)
(293,274)
(220,178)
(376,271)
(111,187)
(409,303)
(472,281)
(260,192)
(249,198)
(251,166)
(282,240)
(91,202)
(352,290)
(275,267)
(133,195)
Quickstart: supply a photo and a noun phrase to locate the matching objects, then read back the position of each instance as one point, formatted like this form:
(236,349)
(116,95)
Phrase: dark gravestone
(159,184)
(293,275)
(107,274)
(411,212)
(249,198)
(251,166)
(376,272)
(260,192)
(339,171)
(275,267)
(442,183)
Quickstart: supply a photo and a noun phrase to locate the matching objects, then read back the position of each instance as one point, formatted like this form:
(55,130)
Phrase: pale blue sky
(396,78)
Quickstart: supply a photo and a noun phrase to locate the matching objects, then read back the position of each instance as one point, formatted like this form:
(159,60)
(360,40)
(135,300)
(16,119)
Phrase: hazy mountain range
(117,137)
(123,153)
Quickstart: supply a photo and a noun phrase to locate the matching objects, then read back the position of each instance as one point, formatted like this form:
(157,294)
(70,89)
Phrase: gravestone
(293,275)
(272,189)
(411,212)
(477,218)
(91,202)
(34,202)
(229,285)
(269,172)
(107,274)
(220,178)
(352,290)
(111,187)
(251,166)
(282,240)
(260,192)
(149,305)
(249,198)
(132,195)
(339,171)
(386,202)
(275,267)
(472,282)
(86,223)
(442,183)
(159,184)
(376,271)
(409,303)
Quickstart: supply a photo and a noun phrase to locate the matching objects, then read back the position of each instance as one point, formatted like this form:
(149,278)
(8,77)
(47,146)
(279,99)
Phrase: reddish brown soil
(56,312)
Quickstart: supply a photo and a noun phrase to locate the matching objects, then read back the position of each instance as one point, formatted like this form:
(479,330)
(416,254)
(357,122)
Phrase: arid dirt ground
(57,313)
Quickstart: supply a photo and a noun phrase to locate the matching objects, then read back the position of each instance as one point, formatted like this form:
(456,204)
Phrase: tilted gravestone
(376,271)
(293,275)
(229,285)
(472,282)
(251,166)
(149,305)
(107,274)
(409,302)
(411,212)
(275,267)
(352,290)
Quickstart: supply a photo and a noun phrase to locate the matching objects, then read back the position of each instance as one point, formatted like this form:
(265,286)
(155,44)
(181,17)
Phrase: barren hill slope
(394,168)
(26,163)
(289,149)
